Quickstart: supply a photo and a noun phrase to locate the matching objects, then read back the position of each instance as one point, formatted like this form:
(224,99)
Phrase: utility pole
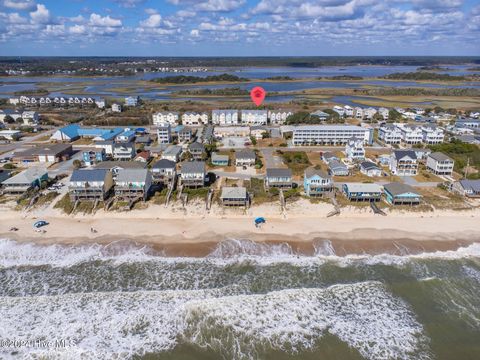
(466,168)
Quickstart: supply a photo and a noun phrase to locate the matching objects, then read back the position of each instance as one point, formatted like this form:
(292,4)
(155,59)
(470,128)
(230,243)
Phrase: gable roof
(368,165)
(132,175)
(471,185)
(27,176)
(311,171)
(196,146)
(81,175)
(279,172)
(120,164)
(400,154)
(439,156)
(231,192)
(164,164)
(397,188)
(193,167)
(245,154)
(335,164)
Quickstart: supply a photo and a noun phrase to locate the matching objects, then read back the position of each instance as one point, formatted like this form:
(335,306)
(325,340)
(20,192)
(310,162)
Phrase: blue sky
(239,27)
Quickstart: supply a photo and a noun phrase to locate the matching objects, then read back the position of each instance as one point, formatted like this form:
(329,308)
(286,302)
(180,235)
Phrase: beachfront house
(317,182)
(245,157)
(278,178)
(401,194)
(197,151)
(337,168)
(92,156)
(124,151)
(370,169)
(440,164)
(192,174)
(354,150)
(404,163)
(164,171)
(116,166)
(90,185)
(31,178)
(220,160)
(468,188)
(172,153)
(234,196)
(362,192)
(131,184)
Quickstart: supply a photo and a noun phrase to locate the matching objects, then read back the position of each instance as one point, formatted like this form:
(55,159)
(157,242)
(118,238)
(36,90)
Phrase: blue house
(401,194)
(317,182)
(93,156)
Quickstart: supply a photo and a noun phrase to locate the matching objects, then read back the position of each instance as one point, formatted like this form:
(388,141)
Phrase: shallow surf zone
(112,325)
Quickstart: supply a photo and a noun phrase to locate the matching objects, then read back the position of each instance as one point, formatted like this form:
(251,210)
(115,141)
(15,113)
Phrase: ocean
(243,300)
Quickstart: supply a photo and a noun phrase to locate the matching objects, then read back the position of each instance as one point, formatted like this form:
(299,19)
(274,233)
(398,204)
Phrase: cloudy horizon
(240,28)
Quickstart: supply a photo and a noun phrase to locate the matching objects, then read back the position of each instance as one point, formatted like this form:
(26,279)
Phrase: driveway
(271,160)
(410,180)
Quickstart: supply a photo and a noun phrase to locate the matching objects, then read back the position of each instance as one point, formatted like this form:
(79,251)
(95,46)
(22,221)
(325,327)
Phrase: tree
(8,119)
(394,115)
(77,164)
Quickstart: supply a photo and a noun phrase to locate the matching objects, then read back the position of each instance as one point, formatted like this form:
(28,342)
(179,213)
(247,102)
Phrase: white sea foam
(227,252)
(118,325)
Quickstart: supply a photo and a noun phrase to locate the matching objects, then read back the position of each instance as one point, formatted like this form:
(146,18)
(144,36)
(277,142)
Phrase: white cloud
(195,33)
(150,11)
(211,5)
(105,21)
(153,21)
(41,15)
(19,5)
(77,29)
(129,3)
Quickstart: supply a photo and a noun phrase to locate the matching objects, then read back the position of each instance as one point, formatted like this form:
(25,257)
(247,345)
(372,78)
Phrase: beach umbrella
(259,220)
(40,223)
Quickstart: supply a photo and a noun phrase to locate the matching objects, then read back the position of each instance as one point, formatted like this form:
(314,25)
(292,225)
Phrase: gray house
(124,151)
(172,153)
(192,174)
(26,180)
(245,157)
(133,183)
(278,178)
(164,171)
(234,196)
(196,150)
(468,188)
(337,168)
(90,184)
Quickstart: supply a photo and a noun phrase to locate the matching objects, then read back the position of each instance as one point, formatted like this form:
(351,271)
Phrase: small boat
(40,224)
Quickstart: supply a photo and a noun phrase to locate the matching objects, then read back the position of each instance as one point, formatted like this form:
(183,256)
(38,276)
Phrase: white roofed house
(404,163)
(225,117)
(30,117)
(339,110)
(132,184)
(440,164)
(165,117)
(362,192)
(369,113)
(349,111)
(254,117)
(384,112)
(432,134)
(355,150)
(390,134)
(195,118)
(359,113)
(411,134)
(278,117)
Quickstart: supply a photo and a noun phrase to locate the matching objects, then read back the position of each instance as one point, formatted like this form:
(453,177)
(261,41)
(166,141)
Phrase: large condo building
(329,134)
(254,117)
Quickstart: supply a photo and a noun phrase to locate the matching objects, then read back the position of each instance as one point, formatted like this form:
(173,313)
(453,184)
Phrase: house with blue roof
(73,132)
(125,136)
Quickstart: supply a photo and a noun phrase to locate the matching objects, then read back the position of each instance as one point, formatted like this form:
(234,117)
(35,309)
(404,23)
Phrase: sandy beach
(194,230)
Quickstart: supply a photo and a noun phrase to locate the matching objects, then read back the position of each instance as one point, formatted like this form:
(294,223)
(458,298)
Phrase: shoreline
(198,233)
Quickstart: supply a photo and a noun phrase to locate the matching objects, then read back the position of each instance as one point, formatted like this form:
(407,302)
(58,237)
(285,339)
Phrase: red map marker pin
(258,95)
